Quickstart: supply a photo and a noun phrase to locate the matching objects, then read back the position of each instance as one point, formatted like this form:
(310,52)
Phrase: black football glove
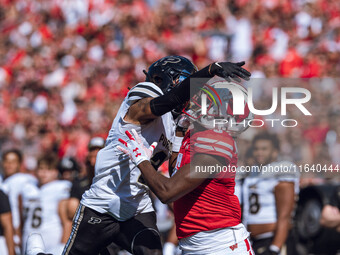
(229,70)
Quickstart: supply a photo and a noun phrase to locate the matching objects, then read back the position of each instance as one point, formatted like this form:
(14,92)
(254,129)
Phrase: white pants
(3,246)
(223,241)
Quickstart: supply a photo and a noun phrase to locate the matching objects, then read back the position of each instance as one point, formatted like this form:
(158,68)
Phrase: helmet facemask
(212,108)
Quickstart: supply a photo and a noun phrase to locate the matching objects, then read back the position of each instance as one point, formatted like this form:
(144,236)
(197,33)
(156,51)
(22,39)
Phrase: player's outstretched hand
(229,70)
(135,148)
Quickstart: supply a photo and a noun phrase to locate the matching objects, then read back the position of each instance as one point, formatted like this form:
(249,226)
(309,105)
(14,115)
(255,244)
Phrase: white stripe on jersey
(211,148)
(150,85)
(208,140)
(146,91)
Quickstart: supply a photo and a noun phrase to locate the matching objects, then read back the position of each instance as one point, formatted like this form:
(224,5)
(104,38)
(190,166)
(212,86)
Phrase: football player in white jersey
(117,207)
(269,196)
(12,184)
(44,206)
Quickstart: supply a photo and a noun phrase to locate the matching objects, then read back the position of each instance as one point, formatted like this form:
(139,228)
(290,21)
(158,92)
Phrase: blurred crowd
(66,64)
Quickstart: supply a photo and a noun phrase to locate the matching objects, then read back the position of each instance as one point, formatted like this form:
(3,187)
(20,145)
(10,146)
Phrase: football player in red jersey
(207,213)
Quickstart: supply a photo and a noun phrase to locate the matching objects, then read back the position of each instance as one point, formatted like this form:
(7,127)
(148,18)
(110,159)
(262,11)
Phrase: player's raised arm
(177,90)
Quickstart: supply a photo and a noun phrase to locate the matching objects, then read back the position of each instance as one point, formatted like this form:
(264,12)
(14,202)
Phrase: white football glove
(135,148)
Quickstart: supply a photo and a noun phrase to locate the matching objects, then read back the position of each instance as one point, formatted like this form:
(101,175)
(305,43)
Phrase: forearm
(159,184)
(65,221)
(175,149)
(284,196)
(172,162)
(8,233)
(281,232)
(67,227)
(72,205)
(6,222)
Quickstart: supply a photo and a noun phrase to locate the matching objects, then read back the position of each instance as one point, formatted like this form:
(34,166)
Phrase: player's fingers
(242,75)
(242,70)
(240,63)
(135,134)
(129,135)
(245,72)
(226,76)
(123,142)
(235,77)
(123,150)
(153,146)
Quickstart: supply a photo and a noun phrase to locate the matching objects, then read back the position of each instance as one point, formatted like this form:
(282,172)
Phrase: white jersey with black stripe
(41,211)
(259,192)
(116,188)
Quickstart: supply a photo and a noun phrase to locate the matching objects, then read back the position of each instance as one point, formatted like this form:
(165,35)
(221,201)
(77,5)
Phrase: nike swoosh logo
(216,63)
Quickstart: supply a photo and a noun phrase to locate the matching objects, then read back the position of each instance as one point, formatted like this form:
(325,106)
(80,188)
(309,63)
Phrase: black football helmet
(169,72)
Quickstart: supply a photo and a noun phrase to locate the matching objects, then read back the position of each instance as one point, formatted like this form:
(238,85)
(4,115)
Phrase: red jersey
(212,204)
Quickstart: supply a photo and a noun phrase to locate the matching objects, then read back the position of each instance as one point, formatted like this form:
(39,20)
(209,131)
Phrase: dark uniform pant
(93,231)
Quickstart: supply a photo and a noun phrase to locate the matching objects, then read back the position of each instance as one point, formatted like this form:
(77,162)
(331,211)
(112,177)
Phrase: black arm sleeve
(181,94)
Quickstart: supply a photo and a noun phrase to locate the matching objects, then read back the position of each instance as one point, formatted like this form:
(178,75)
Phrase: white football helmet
(221,105)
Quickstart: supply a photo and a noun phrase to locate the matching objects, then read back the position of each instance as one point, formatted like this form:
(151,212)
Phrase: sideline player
(207,212)
(117,208)
(6,227)
(68,168)
(44,206)
(12,186)
(269,196)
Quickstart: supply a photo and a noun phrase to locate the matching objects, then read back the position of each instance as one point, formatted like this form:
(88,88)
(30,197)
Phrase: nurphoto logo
(239,96)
